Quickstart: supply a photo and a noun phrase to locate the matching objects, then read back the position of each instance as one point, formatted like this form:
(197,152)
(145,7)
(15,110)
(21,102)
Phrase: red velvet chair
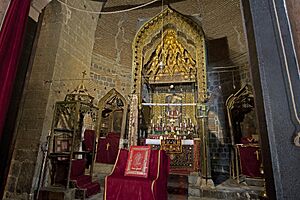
(250,160)
(89,140)
(120,187)
(107,149)
(88,145)
(81,180)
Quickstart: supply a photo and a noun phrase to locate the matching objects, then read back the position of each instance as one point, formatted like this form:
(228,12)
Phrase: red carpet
(81,180)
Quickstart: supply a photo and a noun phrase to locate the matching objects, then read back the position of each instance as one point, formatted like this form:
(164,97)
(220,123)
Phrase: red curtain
(11,40)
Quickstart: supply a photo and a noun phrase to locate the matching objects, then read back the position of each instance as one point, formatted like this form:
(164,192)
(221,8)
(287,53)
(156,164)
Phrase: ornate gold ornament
(169,66)
(182,52)
(178,66)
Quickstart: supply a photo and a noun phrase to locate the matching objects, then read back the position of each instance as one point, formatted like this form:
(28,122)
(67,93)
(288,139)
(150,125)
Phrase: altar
(169,89)
(184,154)
(158,142)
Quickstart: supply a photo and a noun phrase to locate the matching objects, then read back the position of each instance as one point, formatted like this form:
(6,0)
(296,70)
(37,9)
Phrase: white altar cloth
(157,142)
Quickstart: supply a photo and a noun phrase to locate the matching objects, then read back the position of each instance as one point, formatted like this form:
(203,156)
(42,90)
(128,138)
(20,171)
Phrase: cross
(107,146)
(83,74)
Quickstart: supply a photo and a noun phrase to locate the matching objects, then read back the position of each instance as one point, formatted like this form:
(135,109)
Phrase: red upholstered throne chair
(107,149)
(154,187)
(81,180)
(250,160)
(88,145)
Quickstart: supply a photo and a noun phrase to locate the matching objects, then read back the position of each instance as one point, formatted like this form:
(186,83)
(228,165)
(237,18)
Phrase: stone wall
(63,51)
(107,74)
(3,6)
(221,84)
(112,53)
(293,7)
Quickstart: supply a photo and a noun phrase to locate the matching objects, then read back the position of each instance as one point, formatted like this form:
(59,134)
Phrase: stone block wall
(220,154)
(112,53)
(221,84)
(63,51)
(106,75)
(3,6)
(293,7)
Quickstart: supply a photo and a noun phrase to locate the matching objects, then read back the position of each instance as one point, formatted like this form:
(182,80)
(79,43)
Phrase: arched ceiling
(218,18)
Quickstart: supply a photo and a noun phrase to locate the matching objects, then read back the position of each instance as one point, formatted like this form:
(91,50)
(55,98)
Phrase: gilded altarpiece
(169,80)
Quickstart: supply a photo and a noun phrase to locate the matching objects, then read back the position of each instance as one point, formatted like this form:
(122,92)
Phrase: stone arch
(118,104)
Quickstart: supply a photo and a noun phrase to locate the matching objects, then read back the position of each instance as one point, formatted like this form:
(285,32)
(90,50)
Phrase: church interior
(135,100)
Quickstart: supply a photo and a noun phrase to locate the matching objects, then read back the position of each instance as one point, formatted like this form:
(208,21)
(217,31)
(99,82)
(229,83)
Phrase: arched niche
(189,34)
(112,114)
(179,43)
(240,111)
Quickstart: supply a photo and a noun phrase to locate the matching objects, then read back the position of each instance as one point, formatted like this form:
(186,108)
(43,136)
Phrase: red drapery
(11,40)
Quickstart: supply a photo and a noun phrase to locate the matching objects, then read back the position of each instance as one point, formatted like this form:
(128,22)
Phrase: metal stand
(44,149)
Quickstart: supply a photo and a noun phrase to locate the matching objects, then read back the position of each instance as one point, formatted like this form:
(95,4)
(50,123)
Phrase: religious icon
(117,120)
(173,111)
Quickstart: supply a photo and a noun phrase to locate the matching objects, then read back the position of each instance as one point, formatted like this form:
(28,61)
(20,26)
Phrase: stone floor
(171,197)
(177,189)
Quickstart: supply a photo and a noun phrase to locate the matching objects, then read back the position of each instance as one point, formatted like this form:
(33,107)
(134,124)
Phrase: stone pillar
(293,9)
(275,78)
(204,139)
(63,51)
(3,7)
(133,121)
(197,147)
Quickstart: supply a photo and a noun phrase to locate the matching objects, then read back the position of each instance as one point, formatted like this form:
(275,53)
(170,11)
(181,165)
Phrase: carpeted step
(92,188)
(83,180)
